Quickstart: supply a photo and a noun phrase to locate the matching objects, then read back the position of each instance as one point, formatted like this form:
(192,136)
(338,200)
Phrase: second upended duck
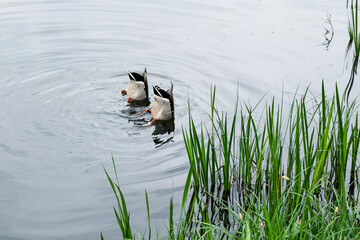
(163,106)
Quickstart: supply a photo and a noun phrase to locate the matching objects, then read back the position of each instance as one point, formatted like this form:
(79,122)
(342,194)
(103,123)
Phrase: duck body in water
(163,105)
(138,89)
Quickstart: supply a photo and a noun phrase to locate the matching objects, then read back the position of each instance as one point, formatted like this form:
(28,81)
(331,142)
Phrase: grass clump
(292,176)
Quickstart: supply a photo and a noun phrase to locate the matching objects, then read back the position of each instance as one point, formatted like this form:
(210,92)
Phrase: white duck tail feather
(133,78)
(161,109)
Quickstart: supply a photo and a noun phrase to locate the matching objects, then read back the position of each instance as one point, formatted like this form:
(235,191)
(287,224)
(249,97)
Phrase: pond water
(64,63)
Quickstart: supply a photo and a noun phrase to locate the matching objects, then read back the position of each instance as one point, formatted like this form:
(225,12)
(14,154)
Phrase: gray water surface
(64,63)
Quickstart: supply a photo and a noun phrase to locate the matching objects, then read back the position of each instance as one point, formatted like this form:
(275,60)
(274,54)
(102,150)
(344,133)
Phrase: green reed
(322,139)
(354,40)
(287,176)
(122,214)
(353,21)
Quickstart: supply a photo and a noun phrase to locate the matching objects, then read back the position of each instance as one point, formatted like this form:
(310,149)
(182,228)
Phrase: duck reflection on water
(164,132)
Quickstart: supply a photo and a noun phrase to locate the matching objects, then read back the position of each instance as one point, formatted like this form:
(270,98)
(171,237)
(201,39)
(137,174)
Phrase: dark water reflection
(163,133)
(352,59)
(64,64)
(163,130)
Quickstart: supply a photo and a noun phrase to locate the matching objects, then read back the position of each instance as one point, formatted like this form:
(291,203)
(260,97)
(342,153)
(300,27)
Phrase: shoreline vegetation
(292,175)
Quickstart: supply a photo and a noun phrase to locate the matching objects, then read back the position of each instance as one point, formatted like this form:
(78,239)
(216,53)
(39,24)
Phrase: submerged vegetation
(279,176)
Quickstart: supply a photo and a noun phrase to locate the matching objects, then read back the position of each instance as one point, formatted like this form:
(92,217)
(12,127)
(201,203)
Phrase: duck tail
(170,91)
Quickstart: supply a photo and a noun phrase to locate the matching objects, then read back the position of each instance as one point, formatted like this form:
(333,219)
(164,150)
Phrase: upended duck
(138,87)
(163,106)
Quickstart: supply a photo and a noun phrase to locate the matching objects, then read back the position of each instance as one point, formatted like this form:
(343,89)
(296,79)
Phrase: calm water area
(64,64)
